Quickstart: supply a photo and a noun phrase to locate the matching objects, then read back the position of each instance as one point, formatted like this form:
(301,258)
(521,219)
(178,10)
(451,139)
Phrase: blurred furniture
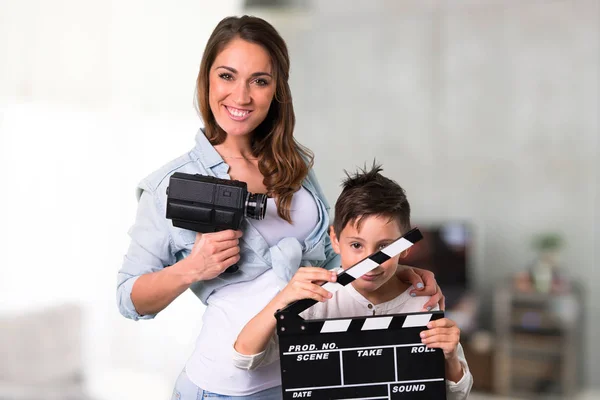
(538,342)
(479,352)
(446,250)
(41,355)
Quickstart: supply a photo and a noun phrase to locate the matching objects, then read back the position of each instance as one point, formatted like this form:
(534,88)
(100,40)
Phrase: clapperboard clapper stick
(376,357)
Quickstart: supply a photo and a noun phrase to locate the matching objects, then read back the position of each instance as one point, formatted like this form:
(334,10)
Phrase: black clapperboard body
(377,357)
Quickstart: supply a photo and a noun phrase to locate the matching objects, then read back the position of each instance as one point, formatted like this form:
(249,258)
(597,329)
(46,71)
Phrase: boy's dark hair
(367,193)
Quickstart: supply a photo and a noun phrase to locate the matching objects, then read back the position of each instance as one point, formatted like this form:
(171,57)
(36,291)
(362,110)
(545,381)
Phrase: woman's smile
(237,114)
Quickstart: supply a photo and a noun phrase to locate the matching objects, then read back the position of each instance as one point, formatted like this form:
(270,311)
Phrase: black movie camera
(207,204)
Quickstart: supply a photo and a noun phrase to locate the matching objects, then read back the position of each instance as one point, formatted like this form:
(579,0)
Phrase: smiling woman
(245,102)
(242,87)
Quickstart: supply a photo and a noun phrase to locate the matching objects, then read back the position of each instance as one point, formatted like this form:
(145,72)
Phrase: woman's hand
(306,284)
(425,285)
(212,254)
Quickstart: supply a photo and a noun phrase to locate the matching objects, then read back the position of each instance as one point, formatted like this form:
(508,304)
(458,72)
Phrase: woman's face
(241,87)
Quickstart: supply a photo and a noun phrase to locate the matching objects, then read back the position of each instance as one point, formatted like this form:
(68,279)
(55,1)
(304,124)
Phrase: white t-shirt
(231,307)
(347,302)
(228,310)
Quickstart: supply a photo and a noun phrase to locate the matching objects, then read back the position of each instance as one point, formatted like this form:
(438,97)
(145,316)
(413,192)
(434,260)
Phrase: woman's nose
(242,94)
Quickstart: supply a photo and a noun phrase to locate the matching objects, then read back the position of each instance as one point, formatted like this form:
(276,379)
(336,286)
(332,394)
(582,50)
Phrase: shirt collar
(206,152)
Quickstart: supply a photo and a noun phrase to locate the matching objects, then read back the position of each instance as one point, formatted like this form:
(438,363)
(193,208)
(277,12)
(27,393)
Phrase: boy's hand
(442,334)
(305,284)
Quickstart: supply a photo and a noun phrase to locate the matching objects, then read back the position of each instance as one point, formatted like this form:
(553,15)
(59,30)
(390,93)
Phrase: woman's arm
(153,292)
(145,287)
(212,254)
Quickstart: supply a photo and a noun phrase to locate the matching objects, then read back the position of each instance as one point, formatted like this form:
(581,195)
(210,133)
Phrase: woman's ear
(405,253)
(334,240)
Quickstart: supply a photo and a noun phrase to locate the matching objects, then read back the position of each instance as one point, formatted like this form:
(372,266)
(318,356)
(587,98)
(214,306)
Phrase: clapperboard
(378,357)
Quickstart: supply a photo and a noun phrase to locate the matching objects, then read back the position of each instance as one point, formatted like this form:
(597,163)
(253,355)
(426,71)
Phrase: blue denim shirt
(156,243)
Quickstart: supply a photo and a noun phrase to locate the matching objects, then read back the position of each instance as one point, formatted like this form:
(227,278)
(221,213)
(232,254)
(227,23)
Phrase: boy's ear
(334,240)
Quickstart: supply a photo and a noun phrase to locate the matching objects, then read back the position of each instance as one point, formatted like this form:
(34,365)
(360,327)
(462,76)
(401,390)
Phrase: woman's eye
(383,246)
(225,76)
(261,82)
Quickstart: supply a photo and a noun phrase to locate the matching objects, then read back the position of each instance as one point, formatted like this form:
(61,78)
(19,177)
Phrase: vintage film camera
(207,204)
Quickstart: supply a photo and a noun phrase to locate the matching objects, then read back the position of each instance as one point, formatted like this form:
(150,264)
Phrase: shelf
(532,343)
(550,332)
(538,350)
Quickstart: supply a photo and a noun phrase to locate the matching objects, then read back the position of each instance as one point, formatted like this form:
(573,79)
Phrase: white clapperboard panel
(379,357)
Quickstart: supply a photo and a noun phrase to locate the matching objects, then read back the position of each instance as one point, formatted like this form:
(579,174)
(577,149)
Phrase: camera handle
(232,269)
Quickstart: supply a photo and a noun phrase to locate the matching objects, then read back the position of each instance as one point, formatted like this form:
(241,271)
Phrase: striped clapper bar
(378,357)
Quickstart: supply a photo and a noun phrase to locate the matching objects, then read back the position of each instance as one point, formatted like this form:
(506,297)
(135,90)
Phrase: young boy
(371,212)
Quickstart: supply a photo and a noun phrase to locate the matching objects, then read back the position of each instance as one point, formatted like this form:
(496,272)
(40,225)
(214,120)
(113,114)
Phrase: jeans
(187,390)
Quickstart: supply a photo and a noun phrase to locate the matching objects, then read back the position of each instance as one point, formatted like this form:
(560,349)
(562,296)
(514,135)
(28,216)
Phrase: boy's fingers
(438,339)
(317,274)
(441,323)
(310,290)
(317,271)
(446,347)
(432,332)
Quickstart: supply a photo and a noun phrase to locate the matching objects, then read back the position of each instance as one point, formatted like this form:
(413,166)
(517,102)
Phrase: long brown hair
(283,162)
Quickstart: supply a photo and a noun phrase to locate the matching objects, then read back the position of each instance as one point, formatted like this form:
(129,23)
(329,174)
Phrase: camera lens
(256,205)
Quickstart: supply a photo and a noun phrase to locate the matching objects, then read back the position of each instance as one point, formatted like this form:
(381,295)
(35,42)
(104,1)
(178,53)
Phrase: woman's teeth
(237,113)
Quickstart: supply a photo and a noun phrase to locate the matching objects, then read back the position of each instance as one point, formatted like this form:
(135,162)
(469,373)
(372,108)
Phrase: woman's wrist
(179,272)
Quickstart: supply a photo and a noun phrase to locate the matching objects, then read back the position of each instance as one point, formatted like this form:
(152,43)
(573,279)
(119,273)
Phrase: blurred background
(485,111)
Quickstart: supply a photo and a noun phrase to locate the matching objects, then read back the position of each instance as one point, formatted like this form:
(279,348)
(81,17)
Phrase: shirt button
(370,306)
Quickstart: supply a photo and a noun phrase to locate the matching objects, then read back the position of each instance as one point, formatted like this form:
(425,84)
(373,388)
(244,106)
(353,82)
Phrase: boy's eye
(226,76)
(355,245)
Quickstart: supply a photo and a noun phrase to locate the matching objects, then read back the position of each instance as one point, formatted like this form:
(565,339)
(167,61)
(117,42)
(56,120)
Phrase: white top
(231,307)
(273,228)
(347,302)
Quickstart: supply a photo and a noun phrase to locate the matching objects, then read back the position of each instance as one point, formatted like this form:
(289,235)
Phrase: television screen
(444,251)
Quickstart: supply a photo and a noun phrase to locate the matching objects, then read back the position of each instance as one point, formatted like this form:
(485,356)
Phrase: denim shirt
(156,243)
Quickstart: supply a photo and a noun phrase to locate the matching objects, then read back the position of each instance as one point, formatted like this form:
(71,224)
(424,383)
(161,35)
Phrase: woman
(245,102)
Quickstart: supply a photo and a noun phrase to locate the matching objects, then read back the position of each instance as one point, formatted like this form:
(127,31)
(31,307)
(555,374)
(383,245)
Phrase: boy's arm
(445,335)
(460,389)
(255,335)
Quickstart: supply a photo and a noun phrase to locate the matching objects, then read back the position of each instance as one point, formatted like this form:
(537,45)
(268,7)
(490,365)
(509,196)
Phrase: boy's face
(353,245)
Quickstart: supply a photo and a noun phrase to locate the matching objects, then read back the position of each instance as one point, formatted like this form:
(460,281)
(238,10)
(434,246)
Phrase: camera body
(207,204)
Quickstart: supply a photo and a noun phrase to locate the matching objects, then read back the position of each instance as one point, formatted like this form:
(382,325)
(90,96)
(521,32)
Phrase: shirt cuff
(463,383)
(126,307)
(247,362)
